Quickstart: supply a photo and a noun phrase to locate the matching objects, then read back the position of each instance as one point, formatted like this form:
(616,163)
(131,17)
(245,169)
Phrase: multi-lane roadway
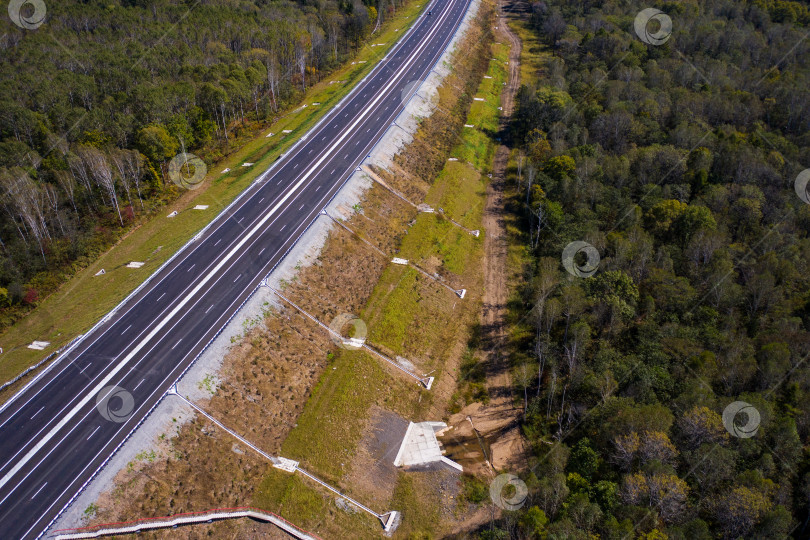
(53,435)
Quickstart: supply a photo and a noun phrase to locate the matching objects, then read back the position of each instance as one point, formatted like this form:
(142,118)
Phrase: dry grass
(288,390)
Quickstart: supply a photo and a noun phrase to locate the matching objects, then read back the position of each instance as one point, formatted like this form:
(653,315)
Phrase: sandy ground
(268,375)
(497,422)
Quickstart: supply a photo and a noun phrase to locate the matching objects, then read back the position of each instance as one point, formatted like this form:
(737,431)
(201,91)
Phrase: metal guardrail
(208,516)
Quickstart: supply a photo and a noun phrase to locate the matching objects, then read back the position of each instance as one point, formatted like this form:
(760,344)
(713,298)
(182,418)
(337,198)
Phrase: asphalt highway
(53,436)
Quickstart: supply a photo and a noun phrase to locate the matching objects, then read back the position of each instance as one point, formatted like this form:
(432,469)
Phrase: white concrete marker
(135,264)
(247,164)
(285,464)
(100,272)
(204,281)
(201,207)
(397,260)
(172,214)
(39,345)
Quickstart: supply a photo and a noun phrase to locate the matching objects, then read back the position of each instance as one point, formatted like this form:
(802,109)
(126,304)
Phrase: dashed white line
(85,367)
(88,438)
(39,411)
(237,278)
(260,200)
(190,268)
(178,343)
(125,329)
(209,309)
(217,242)
(40,489)
(262,251)
(161,296)
(137,385)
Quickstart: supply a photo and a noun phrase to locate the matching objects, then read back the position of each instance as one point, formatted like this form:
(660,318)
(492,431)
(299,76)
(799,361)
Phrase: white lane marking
(262,251)
(40,489)
(296,164)
(240,219)
(178,343)
(200,284)
(237,279)
(209,309)
(39,411)
(302,207)
(217,242)
(137,385)
(125,329)
(190,268)
(333,172)
(260,200)
(317,188)
(310,150)
(161,296)
(94,432)
(85,367)
(401,47)
(282,227)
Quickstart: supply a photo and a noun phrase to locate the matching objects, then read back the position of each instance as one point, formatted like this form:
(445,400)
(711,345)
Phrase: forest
(664,382)
(97,100)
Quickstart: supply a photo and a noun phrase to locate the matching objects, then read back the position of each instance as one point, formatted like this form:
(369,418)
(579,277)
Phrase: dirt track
(497,422)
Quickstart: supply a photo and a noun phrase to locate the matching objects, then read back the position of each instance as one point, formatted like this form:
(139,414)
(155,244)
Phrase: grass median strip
(413,317)
(86,298)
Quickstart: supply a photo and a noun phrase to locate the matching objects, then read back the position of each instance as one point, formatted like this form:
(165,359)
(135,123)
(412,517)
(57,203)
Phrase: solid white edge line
(42,442)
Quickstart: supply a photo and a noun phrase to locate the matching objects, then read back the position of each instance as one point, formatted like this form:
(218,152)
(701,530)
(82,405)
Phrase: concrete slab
(39,345)
(285,464)
(135,264)
(420,446)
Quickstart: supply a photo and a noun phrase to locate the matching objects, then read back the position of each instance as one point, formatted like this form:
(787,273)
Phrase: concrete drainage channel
(354,343)
(307,247)
(172,522)
(390,520)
